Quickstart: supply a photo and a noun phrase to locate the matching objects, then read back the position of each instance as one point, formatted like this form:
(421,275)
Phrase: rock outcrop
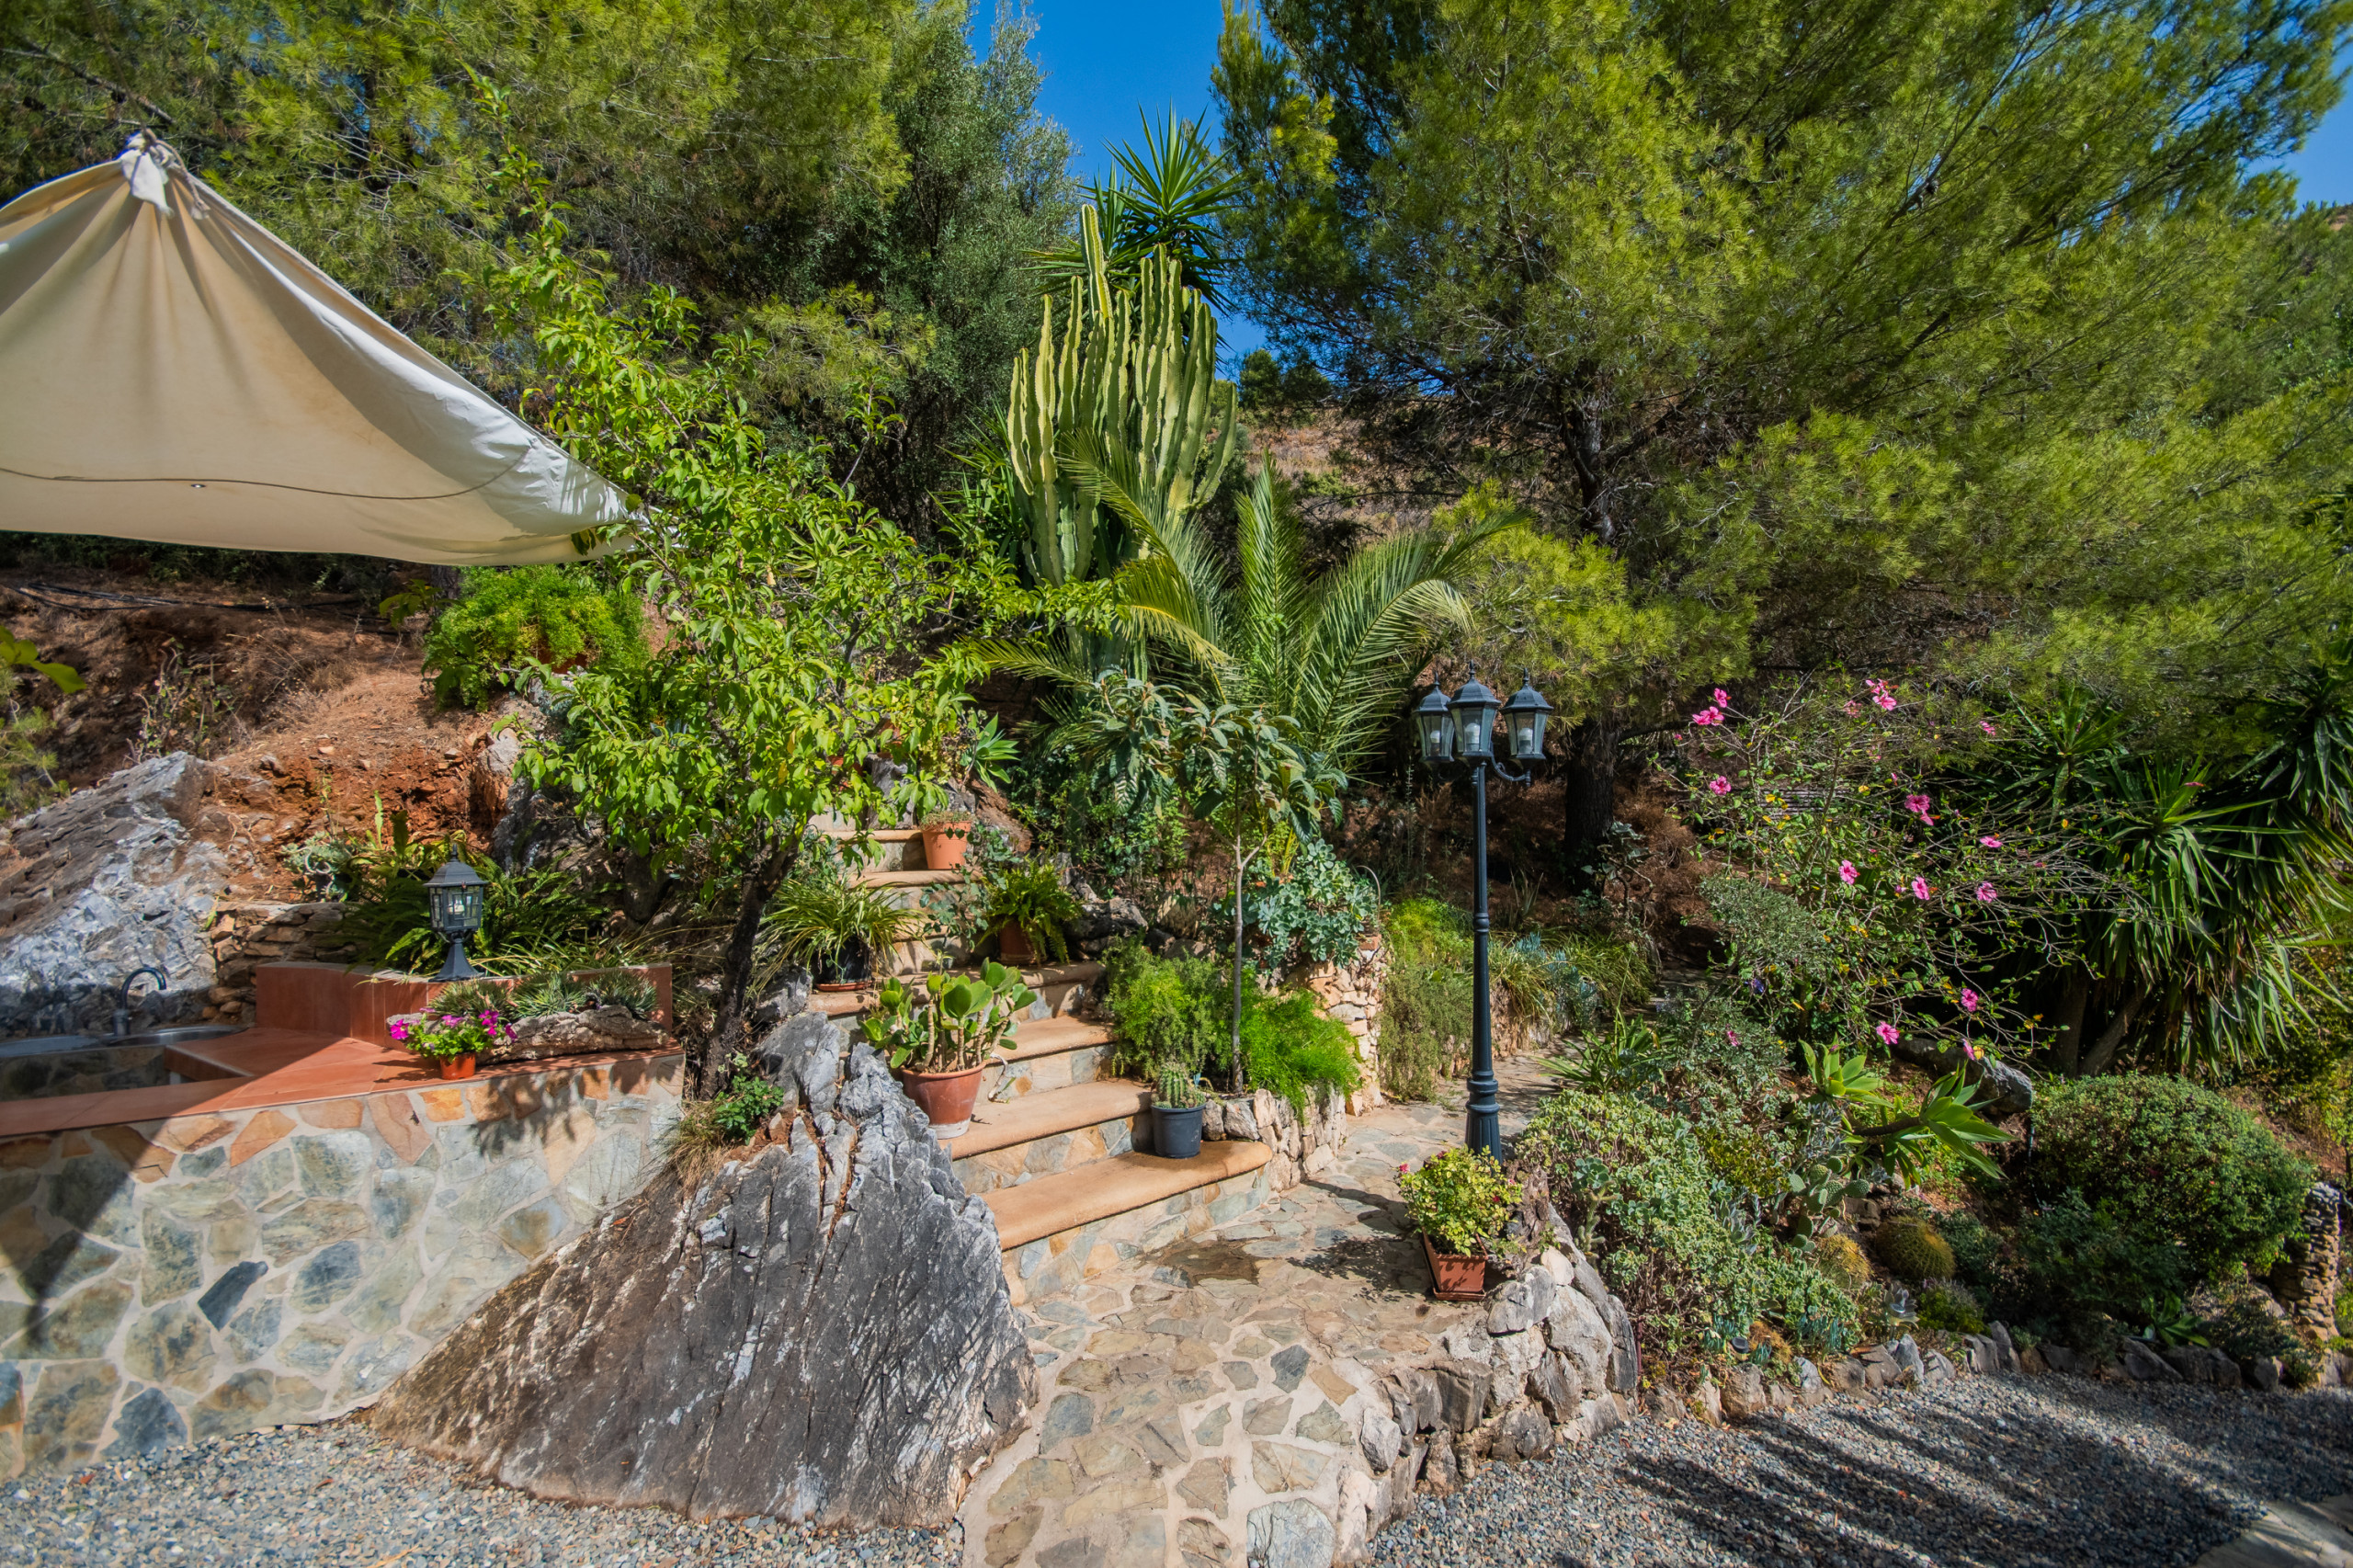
(112,878)
(817,1331)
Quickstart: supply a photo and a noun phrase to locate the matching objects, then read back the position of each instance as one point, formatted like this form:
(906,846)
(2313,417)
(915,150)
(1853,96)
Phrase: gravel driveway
(2058,1472)
(337,1495)
(2055,1473)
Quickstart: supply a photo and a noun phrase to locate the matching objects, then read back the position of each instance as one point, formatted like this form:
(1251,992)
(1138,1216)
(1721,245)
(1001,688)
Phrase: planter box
(1455,1278)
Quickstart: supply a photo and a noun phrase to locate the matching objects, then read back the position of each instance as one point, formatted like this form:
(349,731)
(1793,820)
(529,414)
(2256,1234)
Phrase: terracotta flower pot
(944,846)
(1456,1278)
(1013,945)
(457,1067)
(945,1098)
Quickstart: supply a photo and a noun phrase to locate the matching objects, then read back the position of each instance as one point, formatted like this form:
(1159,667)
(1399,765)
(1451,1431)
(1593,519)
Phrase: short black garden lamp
(1463,731)
(456,893)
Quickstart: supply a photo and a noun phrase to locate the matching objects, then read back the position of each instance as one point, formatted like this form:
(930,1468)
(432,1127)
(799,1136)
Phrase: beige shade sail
(170,371)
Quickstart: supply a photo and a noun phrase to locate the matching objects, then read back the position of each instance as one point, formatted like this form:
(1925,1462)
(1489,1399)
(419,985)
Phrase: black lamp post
(456,894)
(1463,731)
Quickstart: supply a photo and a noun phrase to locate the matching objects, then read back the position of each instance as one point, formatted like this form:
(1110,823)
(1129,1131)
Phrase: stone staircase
(1060,1151)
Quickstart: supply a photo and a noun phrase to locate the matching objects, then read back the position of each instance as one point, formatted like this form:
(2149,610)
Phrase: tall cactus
(1125,387)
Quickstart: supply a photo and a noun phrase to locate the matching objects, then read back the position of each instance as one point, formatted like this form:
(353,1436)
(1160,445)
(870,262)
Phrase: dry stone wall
(172,1280)
(247,935)
(1351,993)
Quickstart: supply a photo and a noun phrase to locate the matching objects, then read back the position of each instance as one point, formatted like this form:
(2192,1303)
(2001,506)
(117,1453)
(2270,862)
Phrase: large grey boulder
(819,1332)
(113,877)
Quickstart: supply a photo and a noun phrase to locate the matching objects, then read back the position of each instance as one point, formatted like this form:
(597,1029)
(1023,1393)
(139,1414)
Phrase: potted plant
(941,1035)
(947,834)
(1027,908)
(1176,1114)
(453,1041)
(1459,1201)
(836,928)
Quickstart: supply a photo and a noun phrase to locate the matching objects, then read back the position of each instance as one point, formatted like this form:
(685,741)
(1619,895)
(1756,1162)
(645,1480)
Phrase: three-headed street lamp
(1463,729)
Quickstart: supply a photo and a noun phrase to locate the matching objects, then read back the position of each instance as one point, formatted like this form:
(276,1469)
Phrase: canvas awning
(170,371)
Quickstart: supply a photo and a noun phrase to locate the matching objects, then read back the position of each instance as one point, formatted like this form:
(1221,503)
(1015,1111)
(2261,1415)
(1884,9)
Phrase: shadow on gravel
(2035,1492)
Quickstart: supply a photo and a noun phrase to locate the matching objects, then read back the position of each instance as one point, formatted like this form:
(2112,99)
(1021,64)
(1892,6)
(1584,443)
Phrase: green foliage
(1425,997)
(1460,1199)
(817,919)
(2075,1263)
(525,621)
(1951,1308)
(2240,1323)
(1884,1129)
(443,1034)
(1976,1249)
(1269,388)
(1030,898)
(1570,980)
(1724,293)
(530,919)
(1912,1250)
(28,770)
(1168,199)
(1171,1013)
(1312,911)
(482,997)
(2170,1164)
(18,654)
(736,1113)
(1634,1181)
(949,1022)
(1293,1051)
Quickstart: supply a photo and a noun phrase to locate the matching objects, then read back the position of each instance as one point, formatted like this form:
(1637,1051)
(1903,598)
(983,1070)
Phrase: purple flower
(1969,1000)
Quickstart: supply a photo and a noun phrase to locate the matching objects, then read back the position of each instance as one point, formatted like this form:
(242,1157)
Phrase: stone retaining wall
(1351,993)
(209,1274)
(247,935)
(1303,1146)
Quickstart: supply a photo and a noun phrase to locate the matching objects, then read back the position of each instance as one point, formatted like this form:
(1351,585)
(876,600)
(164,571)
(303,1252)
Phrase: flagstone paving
(1207,1401)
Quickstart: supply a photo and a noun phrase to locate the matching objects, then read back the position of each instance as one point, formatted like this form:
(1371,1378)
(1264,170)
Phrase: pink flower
(1721,698)
(1990,842)
(1918,806)
(1852,709)
(1984,892)
(1969,1000)
(1919,887)
(1708,716)
(1720,785)
(1986,725)
(1732,1038)
(1887,1034)
(1971,1051)
(1847,872)
(1881,693)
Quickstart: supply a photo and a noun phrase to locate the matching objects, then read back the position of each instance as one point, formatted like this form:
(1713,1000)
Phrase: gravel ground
(2058,1473)
(335,1494)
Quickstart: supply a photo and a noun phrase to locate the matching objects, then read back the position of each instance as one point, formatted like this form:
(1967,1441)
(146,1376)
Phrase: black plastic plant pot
(845,971)
(1175,1135)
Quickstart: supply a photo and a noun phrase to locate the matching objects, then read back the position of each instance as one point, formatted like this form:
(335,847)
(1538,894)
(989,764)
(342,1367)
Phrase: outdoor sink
(187,1034)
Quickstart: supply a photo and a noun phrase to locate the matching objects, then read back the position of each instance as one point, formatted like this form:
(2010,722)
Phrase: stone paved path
(1204,1402)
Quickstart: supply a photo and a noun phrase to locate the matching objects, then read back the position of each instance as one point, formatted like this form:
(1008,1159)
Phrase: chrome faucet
(122,996)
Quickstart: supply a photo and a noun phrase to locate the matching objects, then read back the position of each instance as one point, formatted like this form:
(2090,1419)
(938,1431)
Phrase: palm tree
(1333,654)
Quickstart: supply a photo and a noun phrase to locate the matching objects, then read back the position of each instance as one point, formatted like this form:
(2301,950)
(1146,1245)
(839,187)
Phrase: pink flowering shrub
(1859,901)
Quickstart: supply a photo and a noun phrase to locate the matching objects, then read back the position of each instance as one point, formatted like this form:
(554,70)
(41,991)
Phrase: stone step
(1062,989)
(1032,1136)
(1059,1231)
(1053,1053)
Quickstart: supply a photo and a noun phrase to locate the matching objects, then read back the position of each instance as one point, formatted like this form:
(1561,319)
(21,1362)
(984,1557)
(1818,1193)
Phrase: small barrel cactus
(1911,1250)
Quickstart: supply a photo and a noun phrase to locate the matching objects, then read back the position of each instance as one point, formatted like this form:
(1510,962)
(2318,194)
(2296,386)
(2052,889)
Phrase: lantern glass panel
(1528,735)
(1437,734)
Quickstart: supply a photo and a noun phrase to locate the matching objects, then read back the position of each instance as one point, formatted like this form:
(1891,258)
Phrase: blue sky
(1103,63)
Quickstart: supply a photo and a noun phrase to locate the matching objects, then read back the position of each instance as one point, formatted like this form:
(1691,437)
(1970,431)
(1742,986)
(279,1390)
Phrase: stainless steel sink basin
(187,1034)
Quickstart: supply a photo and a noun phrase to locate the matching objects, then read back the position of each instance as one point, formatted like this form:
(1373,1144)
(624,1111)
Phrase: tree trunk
(1589,797)
(2068,1045)
(2103,1051)
(768,873)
